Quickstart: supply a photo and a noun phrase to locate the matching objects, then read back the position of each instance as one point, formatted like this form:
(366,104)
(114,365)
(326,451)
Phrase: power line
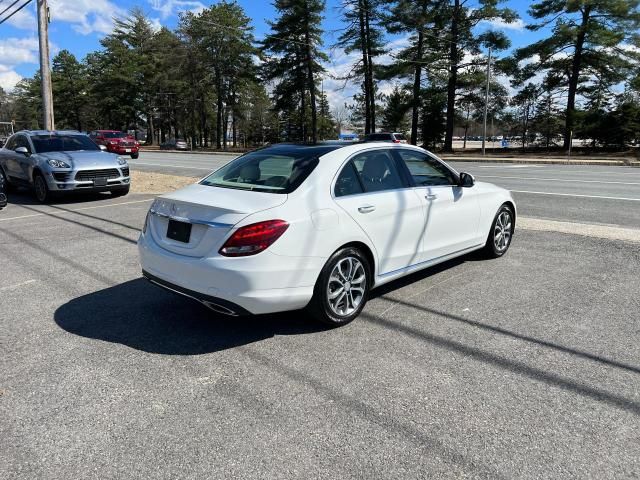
(15,11)
(9,7)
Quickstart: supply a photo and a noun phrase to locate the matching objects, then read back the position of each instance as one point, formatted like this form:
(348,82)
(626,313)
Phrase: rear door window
(378,171)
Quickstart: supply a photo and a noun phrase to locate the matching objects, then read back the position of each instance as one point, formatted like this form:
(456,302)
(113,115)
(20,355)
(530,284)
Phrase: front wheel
(41,189)
(7,186)
(501,233)
(342,290)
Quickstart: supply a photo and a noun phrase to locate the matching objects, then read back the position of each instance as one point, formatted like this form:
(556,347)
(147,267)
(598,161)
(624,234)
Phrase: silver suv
(57,162)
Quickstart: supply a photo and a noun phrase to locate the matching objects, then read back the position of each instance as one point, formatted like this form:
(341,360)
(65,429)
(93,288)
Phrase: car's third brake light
(254,238)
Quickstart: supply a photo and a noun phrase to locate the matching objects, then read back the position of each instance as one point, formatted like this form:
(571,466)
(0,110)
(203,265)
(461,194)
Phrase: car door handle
(431,196)
(366,209)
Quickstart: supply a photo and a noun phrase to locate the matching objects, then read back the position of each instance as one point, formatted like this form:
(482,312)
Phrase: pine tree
(363,34)
(394,114)
(587,36)
(69,83)
(224,34)
(294,59)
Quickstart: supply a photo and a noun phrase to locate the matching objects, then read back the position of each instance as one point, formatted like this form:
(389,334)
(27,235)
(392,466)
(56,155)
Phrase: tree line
(211,81)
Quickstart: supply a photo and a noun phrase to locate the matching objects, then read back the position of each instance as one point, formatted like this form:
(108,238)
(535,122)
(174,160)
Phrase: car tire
(40,188)
(135,155)
(7,186)
(501,233)
(120,192)
(331,304)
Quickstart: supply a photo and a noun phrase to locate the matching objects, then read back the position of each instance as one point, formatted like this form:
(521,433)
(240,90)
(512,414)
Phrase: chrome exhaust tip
(219,309)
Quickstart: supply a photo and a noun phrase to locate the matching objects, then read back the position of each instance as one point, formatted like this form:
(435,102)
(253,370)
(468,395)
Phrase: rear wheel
(40,188)
(342,290)
(501,233)
(135,155)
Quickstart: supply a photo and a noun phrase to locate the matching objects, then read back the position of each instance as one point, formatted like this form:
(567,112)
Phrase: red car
(116,142)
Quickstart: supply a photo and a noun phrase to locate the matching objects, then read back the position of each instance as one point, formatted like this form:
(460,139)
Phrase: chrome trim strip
(432,260)
(210,305)
(190,220)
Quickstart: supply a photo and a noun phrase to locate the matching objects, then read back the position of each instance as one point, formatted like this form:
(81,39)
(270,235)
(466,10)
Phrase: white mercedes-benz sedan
(290,226)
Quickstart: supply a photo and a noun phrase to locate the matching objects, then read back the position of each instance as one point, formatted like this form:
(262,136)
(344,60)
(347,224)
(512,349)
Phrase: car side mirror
(103,148)
(23,150)
(467,180)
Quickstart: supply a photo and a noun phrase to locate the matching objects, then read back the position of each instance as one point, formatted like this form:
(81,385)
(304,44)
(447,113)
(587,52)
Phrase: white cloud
(8,78)
(13,52)
(87,16)
(167,8)
(498,24)
(25,19)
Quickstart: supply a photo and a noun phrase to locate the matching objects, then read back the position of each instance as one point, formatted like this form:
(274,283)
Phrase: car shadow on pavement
(22,197)
(145,317)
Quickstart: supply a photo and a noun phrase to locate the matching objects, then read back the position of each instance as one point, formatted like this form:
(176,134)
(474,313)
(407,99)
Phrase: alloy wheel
(346,286)
(502,231)
(40,188)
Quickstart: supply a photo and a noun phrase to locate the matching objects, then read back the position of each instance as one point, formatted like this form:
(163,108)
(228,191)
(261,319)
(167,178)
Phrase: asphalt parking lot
(522,367)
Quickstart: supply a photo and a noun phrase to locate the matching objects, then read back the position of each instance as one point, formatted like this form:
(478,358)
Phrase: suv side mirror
(467,180)
(22,150)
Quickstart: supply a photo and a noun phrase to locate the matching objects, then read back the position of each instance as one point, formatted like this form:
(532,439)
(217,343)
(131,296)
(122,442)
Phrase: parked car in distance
(298,226)
(117,142)
(3,194)
(60,162)
(174,144)
(385,137)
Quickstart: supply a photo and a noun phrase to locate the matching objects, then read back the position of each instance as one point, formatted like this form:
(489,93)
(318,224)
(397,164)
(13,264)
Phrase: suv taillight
(253,238)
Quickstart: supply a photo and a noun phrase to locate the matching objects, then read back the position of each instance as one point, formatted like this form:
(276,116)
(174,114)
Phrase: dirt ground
(157,183)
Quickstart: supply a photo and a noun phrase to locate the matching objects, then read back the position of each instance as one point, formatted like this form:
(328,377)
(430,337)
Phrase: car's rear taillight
(396,141)
(253,238)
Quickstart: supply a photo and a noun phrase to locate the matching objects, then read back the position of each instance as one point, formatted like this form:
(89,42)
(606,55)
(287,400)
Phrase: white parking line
(9,287)
(559,180)
(577,195)
(171,165)
(63,212)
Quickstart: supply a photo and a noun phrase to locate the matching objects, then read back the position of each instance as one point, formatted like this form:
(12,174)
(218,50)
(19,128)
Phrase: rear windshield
(115,135)
(62,143)
(264,171)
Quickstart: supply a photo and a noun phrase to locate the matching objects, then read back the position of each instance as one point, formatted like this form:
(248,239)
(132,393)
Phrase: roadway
(574,193)
(524,367)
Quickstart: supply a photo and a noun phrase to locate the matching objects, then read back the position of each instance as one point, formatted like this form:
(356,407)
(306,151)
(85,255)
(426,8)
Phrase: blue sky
(78,25)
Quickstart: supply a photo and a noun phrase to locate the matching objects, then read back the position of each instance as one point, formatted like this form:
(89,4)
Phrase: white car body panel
(429,231)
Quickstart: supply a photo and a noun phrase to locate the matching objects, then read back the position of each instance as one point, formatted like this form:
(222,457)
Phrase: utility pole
(45,72)
(486,105)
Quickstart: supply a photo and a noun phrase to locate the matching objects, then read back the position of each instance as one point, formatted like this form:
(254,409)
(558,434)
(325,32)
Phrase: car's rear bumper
(216,304)
(122,150)
(265,283)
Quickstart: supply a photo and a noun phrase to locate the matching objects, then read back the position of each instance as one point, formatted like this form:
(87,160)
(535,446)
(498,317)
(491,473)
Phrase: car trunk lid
(210,212)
